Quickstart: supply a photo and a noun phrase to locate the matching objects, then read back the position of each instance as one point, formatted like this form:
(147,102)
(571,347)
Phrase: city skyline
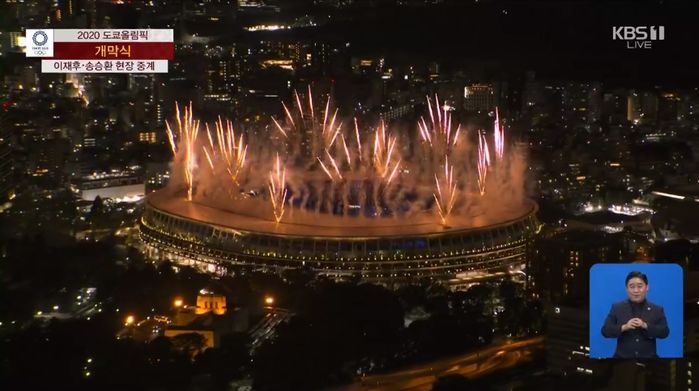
(416,190)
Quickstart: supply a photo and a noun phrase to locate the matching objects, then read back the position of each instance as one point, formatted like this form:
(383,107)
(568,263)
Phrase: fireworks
(439,135)
(347,153)
(483,161)
(226,150)
(332,161)
(499,136)
(446,192)
(187,132)
(330,131)
(323,134)
(325,169)
(384,147)
(359,140)
(277,189)
(373,169)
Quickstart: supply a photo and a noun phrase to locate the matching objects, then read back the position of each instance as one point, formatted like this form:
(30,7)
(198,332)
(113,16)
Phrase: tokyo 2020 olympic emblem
(40,38)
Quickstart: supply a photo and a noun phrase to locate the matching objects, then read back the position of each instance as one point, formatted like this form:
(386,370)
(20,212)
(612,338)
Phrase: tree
(509,319)
(84,355)
(340,330)
(98,216)
(189,343)
(458,383)
(299,276)
(228,361)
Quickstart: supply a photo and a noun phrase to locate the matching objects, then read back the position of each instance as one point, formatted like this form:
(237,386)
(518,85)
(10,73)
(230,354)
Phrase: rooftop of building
(331,226)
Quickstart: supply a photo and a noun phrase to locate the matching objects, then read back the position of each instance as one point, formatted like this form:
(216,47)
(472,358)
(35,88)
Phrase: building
(576,99)
(6,170)
(642,107)
(669,104)
(567,342)
(218,240)
(614,107)
(210,318)
(118,186)
(676,213)
(611,222)
(479,97)
(208,301)
(11,41)
(560,263)
(568,355)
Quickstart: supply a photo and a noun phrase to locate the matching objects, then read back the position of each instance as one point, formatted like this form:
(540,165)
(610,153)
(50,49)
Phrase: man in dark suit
(636,322)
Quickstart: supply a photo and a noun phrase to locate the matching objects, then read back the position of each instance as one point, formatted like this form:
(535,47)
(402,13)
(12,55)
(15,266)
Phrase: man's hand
(638,323)
(642,324)
(633,323)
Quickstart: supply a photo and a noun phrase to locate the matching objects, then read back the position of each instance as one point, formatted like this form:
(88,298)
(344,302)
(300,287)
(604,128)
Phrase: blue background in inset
(665,288)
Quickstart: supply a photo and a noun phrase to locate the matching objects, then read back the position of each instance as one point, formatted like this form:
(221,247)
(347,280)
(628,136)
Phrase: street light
(178,303)
(129,320)
(269,300)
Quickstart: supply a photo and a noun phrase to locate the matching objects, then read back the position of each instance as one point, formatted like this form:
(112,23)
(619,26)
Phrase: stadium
(386,205)
(220,241)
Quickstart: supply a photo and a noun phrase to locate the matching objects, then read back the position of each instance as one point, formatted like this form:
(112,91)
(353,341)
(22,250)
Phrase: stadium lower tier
(455,256)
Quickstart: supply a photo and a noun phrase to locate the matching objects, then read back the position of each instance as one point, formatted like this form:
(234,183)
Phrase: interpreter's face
(637,290)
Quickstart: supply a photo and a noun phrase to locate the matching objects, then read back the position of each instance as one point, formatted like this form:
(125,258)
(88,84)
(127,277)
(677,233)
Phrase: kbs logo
(638,37)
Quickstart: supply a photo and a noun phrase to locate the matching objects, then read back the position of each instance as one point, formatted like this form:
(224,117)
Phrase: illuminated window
(147,137)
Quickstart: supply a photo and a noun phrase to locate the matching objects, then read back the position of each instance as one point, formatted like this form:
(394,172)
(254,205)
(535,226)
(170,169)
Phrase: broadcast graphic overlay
(101,51)
(636,311)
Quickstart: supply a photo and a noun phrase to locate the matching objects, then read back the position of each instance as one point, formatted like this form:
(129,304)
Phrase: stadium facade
(220,241)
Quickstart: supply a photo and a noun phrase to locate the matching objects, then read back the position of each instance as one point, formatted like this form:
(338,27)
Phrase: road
(420,378)
(266,327)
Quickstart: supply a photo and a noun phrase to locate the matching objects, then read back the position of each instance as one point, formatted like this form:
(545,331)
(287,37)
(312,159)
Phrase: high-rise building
(669,107)
(633,107)
(479,97)
(10,41)
(6,169)
(567,341)
(559,266)
(69,7)
(531,91)
(614,107)
(642,107)
(595,102)
(578,101)
(649,106)
(568,354)
(91,10)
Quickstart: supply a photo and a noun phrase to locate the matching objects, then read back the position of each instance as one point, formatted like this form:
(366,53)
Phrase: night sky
(567,40)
